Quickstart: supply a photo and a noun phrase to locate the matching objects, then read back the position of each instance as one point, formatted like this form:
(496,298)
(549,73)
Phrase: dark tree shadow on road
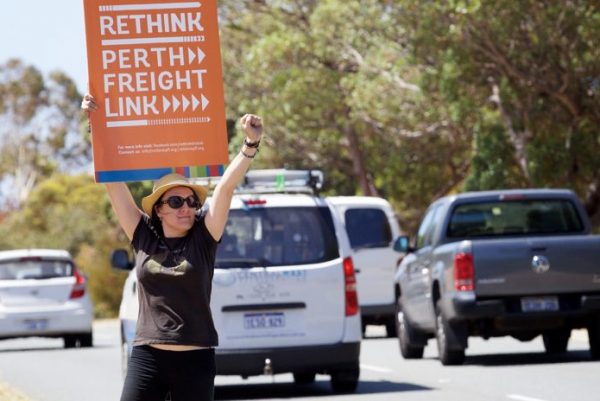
(320,388)
(527,358)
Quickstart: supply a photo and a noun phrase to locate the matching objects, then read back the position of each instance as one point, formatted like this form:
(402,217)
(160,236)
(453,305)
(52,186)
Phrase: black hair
(156,223)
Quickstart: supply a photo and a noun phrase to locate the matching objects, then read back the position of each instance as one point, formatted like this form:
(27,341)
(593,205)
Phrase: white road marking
(376,368)
(522,398)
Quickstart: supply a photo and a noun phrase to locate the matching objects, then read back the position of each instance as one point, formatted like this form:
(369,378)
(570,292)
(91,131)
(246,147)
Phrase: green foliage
(534,64)
(339,92)
(493,165)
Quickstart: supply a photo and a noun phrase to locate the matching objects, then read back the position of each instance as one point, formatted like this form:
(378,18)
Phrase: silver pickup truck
(515,262)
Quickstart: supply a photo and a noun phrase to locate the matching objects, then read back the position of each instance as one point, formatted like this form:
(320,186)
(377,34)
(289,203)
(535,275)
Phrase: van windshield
(535,216)
(277,237)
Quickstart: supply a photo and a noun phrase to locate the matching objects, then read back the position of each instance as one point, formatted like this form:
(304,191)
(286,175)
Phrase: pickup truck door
(417,302)
(418,290)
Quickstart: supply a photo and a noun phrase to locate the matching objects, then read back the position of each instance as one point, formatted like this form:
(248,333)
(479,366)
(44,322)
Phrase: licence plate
(264,320)
(539,304)
(36,324)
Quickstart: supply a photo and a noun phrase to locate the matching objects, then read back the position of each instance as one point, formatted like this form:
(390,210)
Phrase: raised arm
(127,212)
(121,200)
(216,217)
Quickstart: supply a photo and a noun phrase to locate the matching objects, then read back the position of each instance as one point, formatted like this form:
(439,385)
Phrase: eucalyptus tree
(338,88)
(40,130)
(529,72)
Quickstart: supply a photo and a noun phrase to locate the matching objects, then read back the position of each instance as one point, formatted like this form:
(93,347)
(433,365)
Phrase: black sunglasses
(176,201)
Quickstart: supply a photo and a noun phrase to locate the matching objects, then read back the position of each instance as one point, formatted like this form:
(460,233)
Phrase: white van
(284,292)
(372,227)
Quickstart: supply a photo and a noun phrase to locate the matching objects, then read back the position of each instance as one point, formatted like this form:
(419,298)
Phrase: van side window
(368,228)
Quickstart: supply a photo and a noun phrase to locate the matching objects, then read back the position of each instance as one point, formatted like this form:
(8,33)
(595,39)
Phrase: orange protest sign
(155,71)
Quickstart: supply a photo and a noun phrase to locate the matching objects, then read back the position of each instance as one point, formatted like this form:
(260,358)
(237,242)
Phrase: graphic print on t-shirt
(155,264)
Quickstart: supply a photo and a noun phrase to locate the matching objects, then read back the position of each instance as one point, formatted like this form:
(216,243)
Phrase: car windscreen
(37,269)
(522,217)
(279,236)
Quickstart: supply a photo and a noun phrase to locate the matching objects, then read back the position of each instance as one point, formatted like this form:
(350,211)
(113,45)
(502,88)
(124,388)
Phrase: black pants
(153,373)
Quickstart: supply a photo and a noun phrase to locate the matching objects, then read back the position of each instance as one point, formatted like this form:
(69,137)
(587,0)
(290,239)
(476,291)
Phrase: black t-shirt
(174,286)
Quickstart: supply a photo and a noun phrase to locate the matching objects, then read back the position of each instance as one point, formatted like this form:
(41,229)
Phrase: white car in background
(43,294)
(284,292)
(372,227)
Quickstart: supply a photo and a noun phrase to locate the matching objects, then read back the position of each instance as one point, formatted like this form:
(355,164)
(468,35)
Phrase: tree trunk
(592,197)
(518,139)
(358,162)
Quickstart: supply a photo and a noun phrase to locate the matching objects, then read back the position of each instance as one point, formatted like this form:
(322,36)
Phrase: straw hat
(167,182)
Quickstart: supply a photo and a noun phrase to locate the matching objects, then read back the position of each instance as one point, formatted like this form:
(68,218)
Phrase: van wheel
(555,341)
(593,329)
(345,381)
(304,377)
(407,335)
(449,340)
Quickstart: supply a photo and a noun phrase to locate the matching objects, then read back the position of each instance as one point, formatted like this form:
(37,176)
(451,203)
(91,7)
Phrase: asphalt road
(498,369)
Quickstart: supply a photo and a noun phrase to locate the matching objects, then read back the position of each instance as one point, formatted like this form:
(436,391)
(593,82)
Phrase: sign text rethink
(155,71)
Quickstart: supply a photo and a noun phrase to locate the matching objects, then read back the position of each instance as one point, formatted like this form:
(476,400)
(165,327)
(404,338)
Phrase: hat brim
(149,201)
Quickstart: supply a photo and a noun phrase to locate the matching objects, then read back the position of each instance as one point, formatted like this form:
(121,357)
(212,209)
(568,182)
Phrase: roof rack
(209,182)
(282,181)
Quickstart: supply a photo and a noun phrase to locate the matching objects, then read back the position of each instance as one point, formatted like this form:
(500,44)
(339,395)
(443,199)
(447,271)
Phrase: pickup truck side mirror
(119,259)
(402,244)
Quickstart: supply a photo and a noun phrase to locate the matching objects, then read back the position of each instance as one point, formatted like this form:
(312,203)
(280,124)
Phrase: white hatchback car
(284,292)
(42,294)
(372,227)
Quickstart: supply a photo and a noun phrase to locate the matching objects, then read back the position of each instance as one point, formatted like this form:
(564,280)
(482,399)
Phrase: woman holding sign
(175,249)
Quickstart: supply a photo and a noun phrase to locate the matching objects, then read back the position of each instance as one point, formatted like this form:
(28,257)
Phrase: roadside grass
(9,394)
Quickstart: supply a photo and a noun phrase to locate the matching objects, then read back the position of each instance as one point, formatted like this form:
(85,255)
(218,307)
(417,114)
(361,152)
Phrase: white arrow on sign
(195,103)
(176,103)
(202,102)
(166,104)
(185,103)
(199,55)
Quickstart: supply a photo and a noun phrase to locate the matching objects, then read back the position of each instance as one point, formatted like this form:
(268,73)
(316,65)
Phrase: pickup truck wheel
(556,341)
(407,335)
(594,337)
(448,341)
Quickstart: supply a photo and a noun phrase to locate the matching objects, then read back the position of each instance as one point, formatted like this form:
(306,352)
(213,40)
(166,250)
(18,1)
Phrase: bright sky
(48,34)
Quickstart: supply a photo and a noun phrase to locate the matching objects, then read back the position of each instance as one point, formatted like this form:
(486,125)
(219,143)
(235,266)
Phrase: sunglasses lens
(192,202)
(175,202)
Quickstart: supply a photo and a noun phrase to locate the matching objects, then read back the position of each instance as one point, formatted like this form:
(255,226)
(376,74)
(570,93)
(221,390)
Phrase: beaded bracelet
(251,144)
(247,155)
